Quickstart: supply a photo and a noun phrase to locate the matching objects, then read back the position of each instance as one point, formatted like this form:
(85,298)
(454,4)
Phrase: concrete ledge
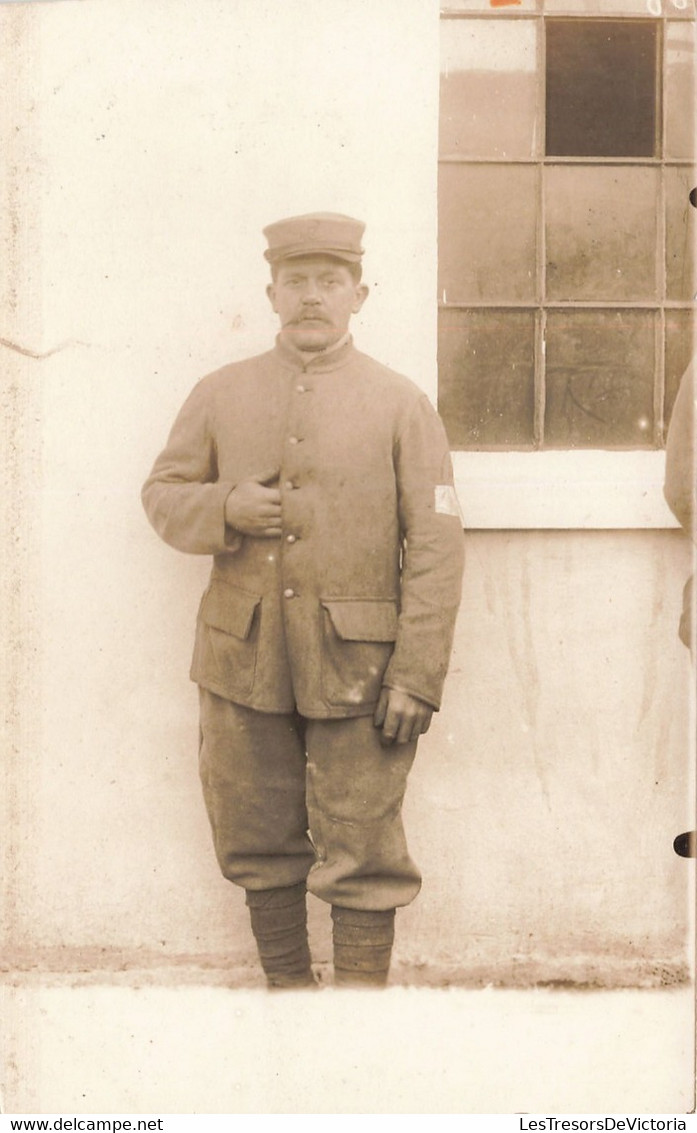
(583,489)
(84,968)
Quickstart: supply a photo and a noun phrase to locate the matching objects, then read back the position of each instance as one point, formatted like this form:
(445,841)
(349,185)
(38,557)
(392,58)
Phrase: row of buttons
(290,486)
(290,593)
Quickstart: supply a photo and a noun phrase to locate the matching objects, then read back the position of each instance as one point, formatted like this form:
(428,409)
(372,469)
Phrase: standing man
(321,483)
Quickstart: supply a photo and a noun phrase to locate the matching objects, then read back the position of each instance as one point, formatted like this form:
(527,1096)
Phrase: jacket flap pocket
(363,619)
(229,609)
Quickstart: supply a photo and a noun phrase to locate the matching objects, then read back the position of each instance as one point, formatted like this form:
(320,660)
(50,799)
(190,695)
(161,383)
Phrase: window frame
(583,487)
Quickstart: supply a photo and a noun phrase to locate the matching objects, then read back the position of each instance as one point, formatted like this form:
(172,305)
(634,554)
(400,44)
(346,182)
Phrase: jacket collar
(323,362)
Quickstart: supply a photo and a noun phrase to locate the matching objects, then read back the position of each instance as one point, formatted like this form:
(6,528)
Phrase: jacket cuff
(232,537)
(429,695)
(410,692)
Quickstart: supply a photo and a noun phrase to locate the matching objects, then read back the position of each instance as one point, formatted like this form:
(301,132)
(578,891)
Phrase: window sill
(562,489)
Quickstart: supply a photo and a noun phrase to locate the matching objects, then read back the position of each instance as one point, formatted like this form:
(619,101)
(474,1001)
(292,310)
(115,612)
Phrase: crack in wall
(40,355)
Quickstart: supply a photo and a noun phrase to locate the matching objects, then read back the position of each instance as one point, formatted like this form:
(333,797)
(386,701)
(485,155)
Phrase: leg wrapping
(279,924)
(362,946)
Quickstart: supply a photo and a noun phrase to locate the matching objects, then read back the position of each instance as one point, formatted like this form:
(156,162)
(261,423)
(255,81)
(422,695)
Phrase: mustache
(314,315)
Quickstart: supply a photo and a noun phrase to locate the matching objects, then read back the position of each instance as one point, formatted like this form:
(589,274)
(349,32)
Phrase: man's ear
(362,293)
(271,292)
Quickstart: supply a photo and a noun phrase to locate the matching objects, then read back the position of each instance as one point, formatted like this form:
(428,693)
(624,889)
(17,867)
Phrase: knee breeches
(291,798)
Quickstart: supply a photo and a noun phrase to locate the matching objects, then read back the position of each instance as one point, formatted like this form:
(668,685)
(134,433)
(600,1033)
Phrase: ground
(210,1049)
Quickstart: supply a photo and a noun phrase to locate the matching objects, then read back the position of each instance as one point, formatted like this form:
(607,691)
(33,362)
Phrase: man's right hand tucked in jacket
(254,508)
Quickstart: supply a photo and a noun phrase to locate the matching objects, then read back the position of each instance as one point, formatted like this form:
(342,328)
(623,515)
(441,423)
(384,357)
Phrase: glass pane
(680,90)
(605,7)
(601,88)
(680,344)
(679,9)
(488,88)
(486,5)
(601,232)
(676,9)
(486,233)
(681,232)
(600,377)
(486,377)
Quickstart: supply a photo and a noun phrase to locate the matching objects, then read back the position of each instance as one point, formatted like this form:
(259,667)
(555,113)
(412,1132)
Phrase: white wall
(155,140)
(557,777)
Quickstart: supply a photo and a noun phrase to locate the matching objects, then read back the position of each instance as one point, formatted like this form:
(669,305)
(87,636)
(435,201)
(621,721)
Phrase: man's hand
(401,716)
(254,508)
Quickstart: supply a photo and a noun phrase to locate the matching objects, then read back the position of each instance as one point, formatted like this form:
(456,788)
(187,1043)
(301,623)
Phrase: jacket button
(289,485)
(289,593)
(300,389)
(291,538)
(293,440)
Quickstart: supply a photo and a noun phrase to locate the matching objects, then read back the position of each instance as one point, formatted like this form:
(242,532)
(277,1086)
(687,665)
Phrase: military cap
(316,233)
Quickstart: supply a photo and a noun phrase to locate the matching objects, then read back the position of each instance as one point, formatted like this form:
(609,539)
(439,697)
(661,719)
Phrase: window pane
(680,346)
(679,9)
(488,88)
(681,232)
(680,90)
(486,6)
(600,7)
(601,88)
(486,377)
(601,232)
(676,9)
(487,233)
(600,372)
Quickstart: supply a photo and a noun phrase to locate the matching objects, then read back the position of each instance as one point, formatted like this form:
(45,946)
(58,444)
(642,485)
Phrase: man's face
(314,297)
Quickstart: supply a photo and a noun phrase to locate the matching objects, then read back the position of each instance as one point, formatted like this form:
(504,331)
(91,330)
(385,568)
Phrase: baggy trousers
(291,798)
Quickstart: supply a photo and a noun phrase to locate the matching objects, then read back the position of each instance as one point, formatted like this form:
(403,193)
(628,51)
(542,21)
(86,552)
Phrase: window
(602,83)
(566,233)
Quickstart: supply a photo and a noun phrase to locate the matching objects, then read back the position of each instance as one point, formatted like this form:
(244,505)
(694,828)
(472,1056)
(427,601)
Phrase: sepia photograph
(348,512)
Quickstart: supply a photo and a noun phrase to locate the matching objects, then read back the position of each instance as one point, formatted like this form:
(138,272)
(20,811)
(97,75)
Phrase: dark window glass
(601,88)
(601,232)
(487,233)
(680,344)
(600,367)
(486,366)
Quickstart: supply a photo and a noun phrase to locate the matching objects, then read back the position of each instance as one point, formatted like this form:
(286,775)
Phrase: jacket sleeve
(183,497)
(433,557)
(679,488)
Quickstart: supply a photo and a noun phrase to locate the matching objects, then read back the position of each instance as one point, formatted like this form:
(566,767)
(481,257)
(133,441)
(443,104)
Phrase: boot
(362,946)
(279,924)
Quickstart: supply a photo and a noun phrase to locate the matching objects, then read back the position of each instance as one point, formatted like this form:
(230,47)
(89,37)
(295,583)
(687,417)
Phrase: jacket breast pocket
(358,640)
(227,638)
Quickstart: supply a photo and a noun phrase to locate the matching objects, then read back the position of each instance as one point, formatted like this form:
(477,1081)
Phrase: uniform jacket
(363,587)
(679,487)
